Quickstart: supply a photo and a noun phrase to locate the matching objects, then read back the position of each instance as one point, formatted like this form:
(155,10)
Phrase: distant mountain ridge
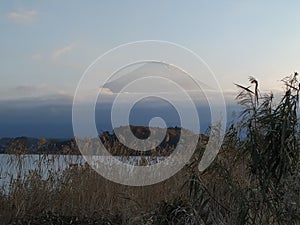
(27,145)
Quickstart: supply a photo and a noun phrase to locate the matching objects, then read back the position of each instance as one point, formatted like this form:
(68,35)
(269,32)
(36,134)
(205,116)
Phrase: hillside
(29,145)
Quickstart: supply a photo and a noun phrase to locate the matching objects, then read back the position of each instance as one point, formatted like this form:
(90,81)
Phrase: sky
(45,47)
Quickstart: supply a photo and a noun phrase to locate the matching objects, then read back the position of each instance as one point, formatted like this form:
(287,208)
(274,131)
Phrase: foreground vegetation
(255,179)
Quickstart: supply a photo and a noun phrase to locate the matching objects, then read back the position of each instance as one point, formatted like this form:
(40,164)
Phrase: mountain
(26,145)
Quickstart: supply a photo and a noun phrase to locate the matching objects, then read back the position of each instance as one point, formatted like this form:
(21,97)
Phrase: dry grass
(78,195)
(78,191)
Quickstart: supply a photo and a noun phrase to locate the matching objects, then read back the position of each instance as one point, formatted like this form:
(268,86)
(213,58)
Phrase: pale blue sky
(45,46)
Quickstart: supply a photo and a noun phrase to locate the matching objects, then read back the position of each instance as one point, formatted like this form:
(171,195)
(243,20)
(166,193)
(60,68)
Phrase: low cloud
(29,90)
(61,51)
(34,91)
(105,91)
(22,16)
(37,57)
